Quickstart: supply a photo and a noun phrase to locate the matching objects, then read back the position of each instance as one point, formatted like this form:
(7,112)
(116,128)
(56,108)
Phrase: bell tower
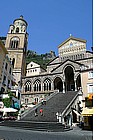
(16,45)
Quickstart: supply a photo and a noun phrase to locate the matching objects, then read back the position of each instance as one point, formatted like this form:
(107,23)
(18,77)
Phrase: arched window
(14,42)
(17,30)
(36,100)
(27,86)
(47,85)
(37,85)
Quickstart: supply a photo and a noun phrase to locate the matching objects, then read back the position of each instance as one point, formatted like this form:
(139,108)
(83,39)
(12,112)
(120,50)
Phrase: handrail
(69,105)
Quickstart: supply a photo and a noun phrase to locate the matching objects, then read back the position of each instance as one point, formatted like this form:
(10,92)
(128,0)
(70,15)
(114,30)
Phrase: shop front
(87,115)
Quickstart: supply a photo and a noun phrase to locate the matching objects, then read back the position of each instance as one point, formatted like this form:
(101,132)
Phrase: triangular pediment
(32,65)
(68,62)
(72,42)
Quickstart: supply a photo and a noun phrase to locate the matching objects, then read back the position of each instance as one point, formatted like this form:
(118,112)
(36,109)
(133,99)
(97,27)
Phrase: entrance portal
(69,79)
(78,81)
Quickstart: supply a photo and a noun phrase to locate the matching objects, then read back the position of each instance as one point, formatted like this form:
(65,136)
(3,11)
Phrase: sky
(50,22)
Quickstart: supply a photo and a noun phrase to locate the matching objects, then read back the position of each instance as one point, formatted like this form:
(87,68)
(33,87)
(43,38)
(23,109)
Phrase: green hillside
(42,59)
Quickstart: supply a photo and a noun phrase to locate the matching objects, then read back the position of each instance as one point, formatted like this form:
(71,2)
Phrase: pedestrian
(42,101)
(65,121)
(41,112)
(35,112)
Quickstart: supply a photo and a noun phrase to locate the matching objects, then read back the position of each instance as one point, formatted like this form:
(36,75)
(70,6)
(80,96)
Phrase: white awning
(87,112)
(8,110)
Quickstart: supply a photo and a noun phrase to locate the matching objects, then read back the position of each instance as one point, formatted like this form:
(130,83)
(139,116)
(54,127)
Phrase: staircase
(56,104)
(48,122)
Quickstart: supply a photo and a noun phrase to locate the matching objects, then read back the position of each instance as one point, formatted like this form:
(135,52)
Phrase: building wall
(70,47)
(7,76)
(3,53)
(33,69)
(86,80)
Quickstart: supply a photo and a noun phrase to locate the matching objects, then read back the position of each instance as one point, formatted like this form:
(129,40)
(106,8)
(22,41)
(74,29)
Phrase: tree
(8,101)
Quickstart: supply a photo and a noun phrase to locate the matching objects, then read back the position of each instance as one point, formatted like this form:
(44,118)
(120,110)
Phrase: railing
(47,92)
(15,88)
(68,108)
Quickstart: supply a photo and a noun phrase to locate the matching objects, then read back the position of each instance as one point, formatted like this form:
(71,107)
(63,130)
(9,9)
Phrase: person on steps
(41,112)
(35,112)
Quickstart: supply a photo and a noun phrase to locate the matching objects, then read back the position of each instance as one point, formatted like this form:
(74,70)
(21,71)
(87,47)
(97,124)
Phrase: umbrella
(8,110)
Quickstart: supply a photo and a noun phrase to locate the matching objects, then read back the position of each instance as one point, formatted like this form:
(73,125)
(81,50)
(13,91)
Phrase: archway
(69,79)
(58,84)
(78,81)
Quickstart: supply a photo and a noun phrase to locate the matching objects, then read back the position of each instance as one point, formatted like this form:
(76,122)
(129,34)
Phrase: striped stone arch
(78,74)
(58,83)
(59,76)
(67,66)
(36,78)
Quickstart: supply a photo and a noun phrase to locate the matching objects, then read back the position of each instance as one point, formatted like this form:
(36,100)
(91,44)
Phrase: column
(41,86)
(75,85)
(63,87)
(32,87)
(52,86)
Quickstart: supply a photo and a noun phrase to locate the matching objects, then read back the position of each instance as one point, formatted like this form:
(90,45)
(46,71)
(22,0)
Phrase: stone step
(38,126)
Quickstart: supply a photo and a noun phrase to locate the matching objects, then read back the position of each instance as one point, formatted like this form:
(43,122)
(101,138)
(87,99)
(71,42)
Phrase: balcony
(15,88)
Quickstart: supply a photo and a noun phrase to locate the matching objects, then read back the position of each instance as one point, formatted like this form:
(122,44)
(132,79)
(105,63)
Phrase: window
(90,88)
(6,66)
(10,71)
(4,80)
(28,86)
(17,30)
(13,62)
(36,100)
(26,100)
(90,75)
(14,42)
(47,85)
(37,85)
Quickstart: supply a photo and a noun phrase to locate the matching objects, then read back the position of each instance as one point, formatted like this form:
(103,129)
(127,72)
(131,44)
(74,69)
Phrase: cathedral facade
(62,74)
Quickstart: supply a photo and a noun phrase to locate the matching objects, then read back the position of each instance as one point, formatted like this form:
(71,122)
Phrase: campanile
(16,45)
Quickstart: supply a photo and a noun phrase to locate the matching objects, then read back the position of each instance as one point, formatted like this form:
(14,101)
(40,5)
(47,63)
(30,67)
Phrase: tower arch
(14,42)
